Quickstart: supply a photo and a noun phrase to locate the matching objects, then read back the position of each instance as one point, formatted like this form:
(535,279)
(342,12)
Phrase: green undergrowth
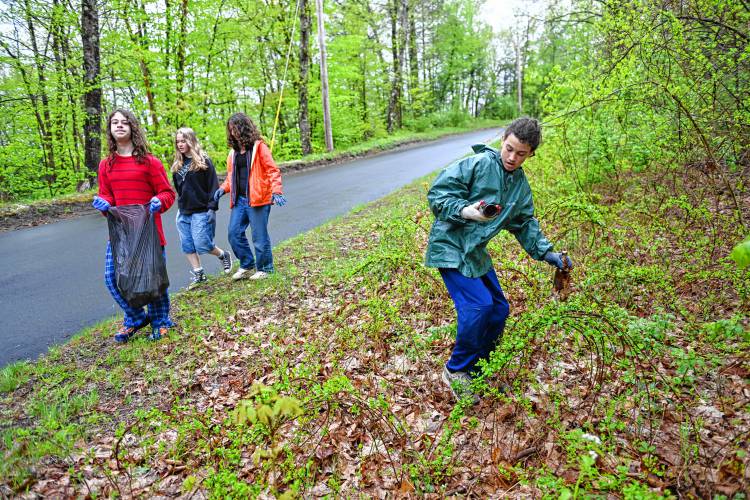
(325,379)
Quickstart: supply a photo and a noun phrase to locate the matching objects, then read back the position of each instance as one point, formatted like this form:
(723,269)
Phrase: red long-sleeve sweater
(128,182)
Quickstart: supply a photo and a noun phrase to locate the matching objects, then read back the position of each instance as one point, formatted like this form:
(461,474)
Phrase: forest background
(392,65)
(621,83)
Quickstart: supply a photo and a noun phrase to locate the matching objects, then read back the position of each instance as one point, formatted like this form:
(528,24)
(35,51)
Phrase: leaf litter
(358,333)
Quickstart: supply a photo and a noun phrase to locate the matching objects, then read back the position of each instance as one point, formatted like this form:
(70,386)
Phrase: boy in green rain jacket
(458,241)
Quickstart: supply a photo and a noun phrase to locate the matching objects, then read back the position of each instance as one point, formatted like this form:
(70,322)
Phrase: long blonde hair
(199,157)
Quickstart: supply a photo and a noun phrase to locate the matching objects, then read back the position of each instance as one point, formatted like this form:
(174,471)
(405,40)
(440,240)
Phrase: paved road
(51,277)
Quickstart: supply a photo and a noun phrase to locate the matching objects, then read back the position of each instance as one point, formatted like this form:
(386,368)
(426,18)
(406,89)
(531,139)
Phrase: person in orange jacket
(254,183)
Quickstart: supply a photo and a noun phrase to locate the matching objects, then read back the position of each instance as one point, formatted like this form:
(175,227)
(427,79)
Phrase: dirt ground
(16,217)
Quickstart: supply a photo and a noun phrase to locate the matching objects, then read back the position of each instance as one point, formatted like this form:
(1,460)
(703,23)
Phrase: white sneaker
(260,275)
(242,274)
(226,262)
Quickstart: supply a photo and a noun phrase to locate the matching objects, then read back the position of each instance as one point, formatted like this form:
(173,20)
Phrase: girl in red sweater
(130,175)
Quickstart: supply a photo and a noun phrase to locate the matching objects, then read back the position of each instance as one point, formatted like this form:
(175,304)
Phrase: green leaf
(287,407)
(287,495)
(741,254)
(244,412)
(265,415)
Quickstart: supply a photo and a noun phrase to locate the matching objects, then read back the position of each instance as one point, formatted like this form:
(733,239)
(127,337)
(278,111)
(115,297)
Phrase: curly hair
(199,157)
(140,145)
(527,130)
(246,129)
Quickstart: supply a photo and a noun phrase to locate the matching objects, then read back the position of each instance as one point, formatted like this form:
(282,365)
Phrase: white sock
(198,270)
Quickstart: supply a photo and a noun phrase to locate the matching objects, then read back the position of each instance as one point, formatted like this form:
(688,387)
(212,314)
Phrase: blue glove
(218,194)
(155,205)
(278,199)
(211,216)
(555,259)
(100,204)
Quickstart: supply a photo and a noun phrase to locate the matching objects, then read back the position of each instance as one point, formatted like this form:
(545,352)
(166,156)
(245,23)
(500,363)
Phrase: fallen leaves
(380,322)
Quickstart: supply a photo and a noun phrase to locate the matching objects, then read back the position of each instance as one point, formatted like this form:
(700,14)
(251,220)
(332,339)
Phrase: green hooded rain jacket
(462,244)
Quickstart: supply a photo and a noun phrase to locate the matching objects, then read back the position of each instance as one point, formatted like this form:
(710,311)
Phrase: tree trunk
(363,92)
(209,64)
(167,34)
(58,111)
(92,94)
(393,116)
(45,119)
(180,63)
(66,115)
(519,79)
(305,25)
(472,74)
(324,77)
(140,39)
(413,59)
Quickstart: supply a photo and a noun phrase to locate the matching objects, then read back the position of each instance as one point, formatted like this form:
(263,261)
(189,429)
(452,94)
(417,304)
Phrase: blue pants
(158,311)
(482,310)
(196,233)
(244,215)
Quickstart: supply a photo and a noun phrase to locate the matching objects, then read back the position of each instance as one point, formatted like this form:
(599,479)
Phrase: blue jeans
(244,215)
(482,310)
(196,232)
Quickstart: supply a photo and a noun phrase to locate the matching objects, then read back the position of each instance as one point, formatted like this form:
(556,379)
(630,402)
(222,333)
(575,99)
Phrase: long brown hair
(248,132)
(199,157)
(140,145)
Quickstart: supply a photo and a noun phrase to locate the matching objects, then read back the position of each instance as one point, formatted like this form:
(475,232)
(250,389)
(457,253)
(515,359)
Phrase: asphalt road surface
(52,276)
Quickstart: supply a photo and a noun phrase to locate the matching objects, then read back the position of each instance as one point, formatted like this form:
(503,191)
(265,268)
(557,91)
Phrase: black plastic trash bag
(140,266)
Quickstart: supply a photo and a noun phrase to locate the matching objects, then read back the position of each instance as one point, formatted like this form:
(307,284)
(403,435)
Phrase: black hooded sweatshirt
(196,188)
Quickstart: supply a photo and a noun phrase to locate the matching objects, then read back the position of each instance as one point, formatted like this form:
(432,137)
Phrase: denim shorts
(196,232)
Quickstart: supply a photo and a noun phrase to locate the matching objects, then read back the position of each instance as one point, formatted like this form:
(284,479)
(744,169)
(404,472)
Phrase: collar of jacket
(234,154)
(483,148)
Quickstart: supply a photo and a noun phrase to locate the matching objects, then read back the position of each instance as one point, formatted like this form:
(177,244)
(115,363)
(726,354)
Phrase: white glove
(471,212)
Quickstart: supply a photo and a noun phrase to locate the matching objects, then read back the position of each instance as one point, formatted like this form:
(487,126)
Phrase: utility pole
(324,77)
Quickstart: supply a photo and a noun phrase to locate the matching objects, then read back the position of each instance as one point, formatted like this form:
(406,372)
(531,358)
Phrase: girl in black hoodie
(195,181)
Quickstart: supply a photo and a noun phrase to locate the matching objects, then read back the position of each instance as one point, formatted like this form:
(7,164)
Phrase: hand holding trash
(155,205)
(556,259)
(472,212)
(100,204)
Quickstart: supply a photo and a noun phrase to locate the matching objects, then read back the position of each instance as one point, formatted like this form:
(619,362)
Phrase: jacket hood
(483,148)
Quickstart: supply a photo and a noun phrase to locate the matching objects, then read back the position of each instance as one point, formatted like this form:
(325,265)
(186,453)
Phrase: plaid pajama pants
(158,311)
